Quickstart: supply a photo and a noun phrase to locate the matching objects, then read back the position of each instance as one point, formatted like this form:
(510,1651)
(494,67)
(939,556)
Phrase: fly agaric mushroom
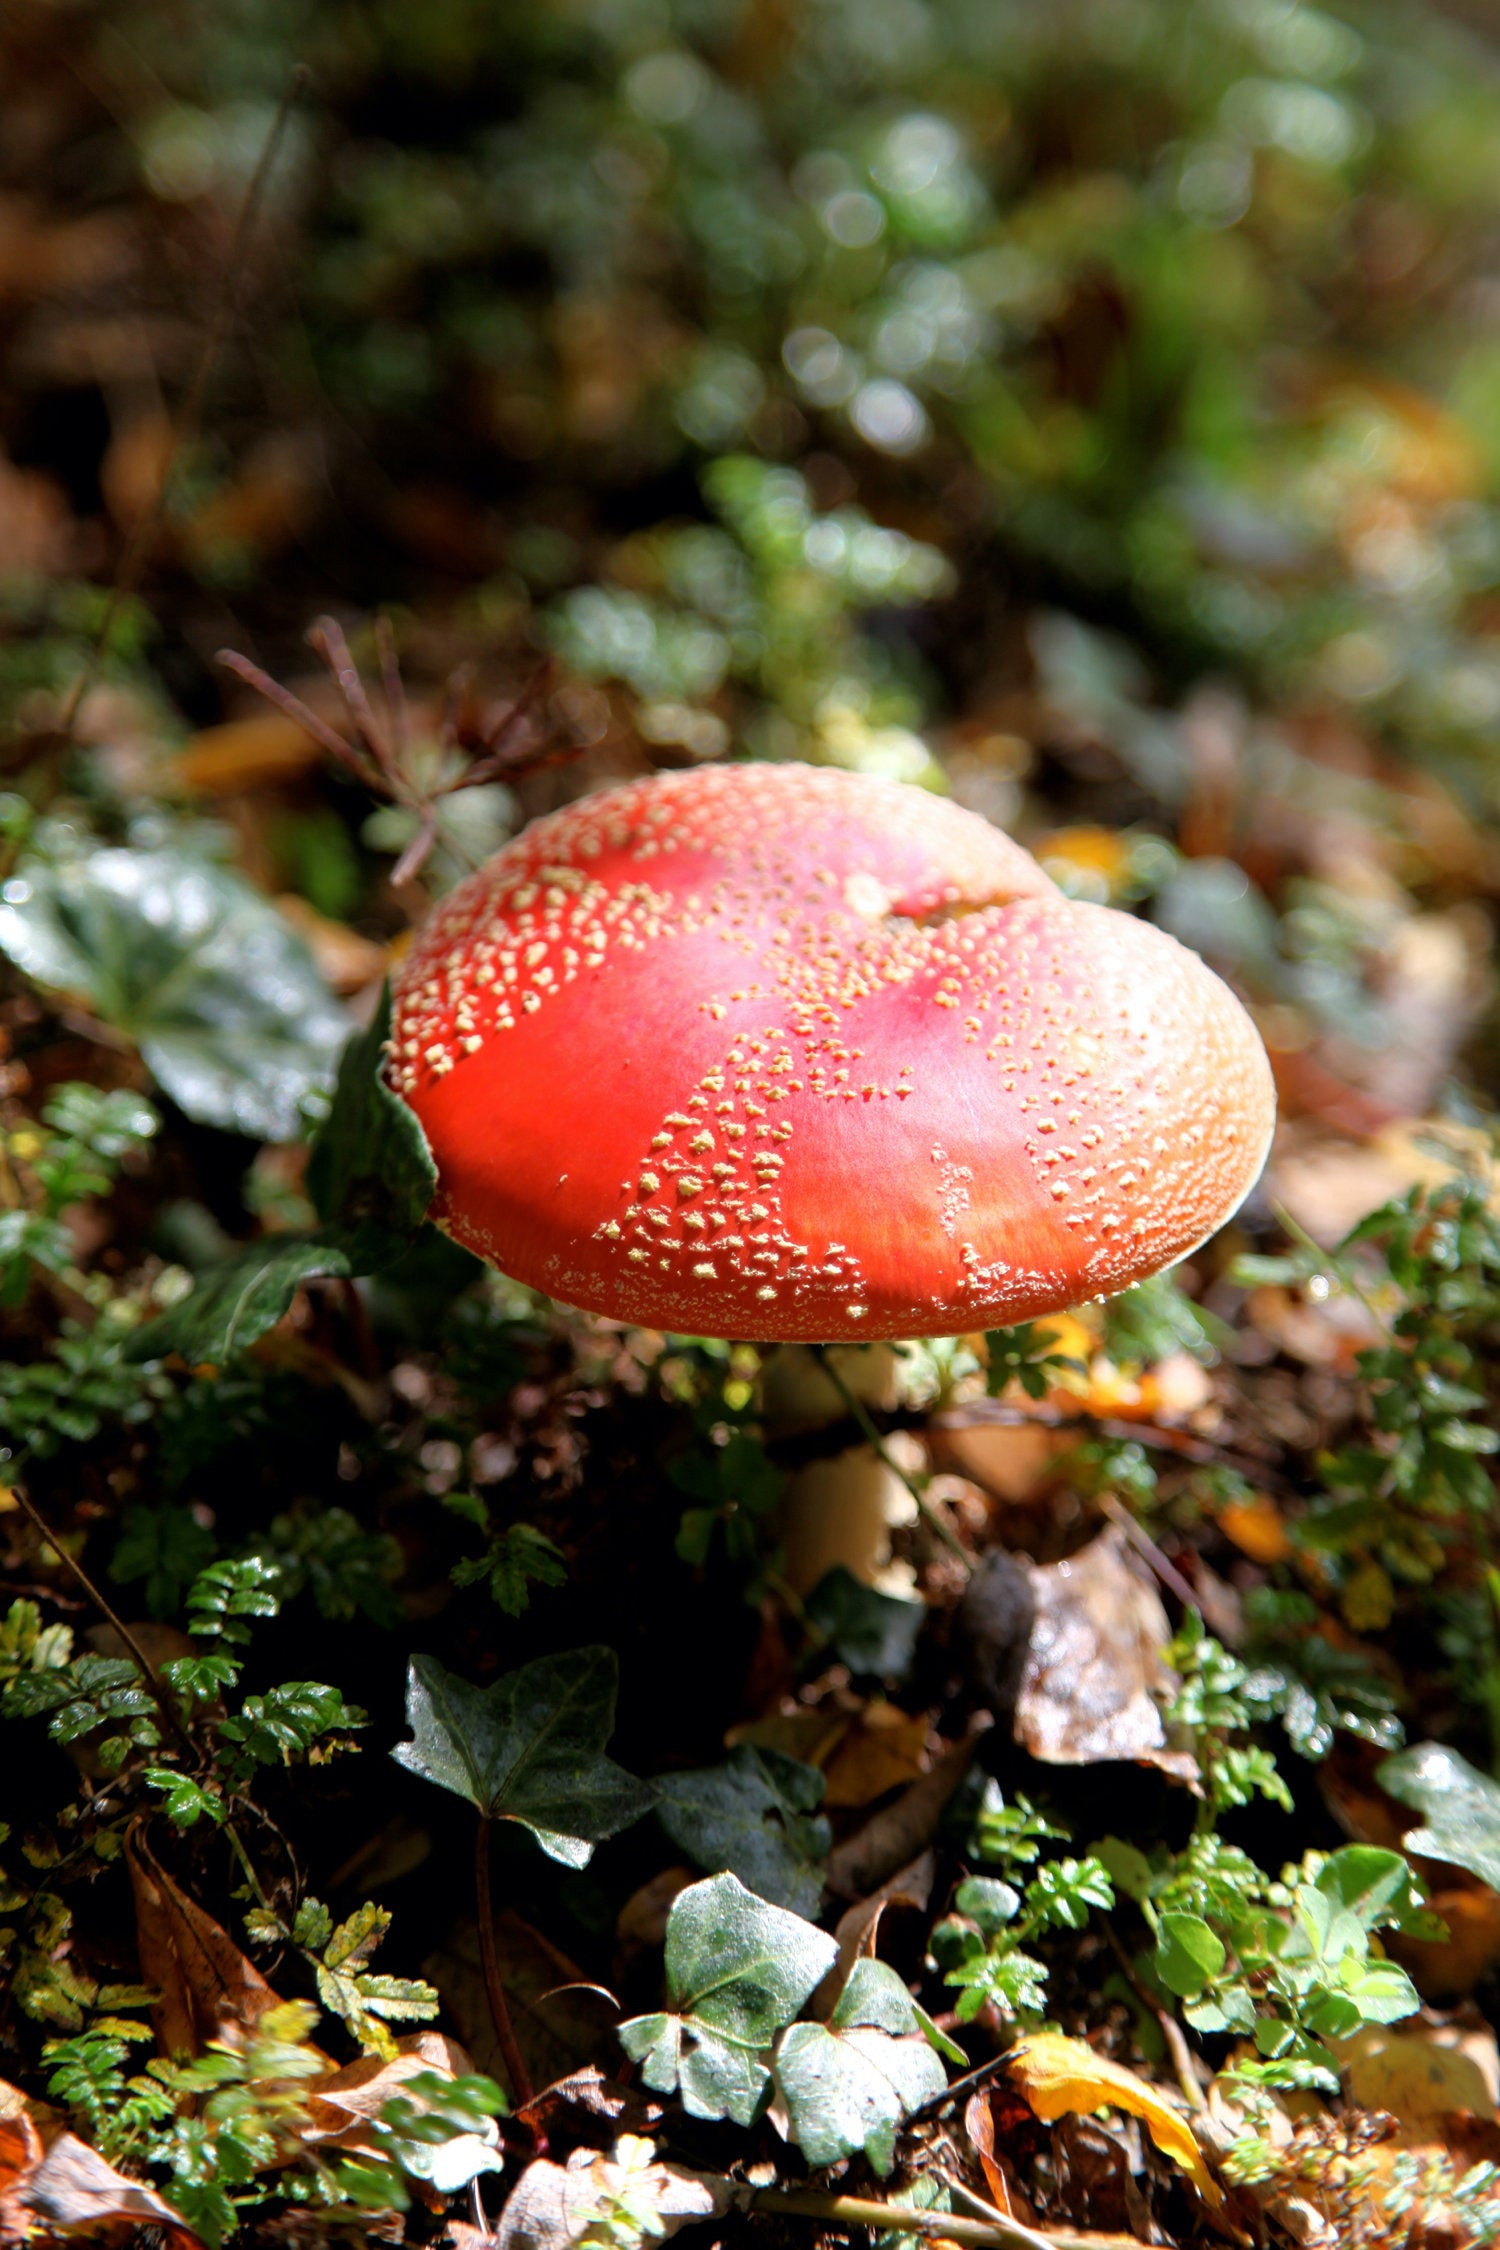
(780,1052)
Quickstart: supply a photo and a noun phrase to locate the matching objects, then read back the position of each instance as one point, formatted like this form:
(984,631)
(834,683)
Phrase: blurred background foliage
(1093,409)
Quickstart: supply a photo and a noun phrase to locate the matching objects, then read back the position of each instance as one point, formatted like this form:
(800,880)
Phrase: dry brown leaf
(979,2124)
(558,2030)
(1059,2076)
(242,755)
(1095,1669)
(1450,1971)
(900,1832)
(1420,2073)
(812,1737)
(1013,1460)
(554,2205)
(346,961)
(341,2105)
(883,1747)
(588,2094)
(1256,1528)
(73,2191)
(204,1980)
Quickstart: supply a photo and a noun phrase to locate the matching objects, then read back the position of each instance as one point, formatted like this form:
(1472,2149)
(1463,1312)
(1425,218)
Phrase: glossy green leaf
(848,2084)
(370,1167)
(232,1305)
(1188,1954)
(757,1816)
(184,956)
(737,1971)
(873,1633)
(528,1748)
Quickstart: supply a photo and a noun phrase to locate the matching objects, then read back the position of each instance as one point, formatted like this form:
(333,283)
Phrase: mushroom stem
(861,1414)
(510,2053)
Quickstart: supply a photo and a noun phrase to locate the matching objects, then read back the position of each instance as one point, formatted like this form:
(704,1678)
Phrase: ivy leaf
(234,1304)
(756,1815)
(1461,1805)
(849,2083)
(371,1177)
(737,1971)
(220,995)
(371,1171)
(873,1633)
(528,1748)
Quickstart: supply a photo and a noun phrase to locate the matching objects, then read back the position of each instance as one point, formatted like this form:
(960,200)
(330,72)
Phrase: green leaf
(987,1901)
(1461,1806)
(371,1177)
(182,954)
(737,1971)
(528,1748)
(1188,1954)
(849,2083)
(370,1169)
(234,1304)
(757,1816)
(873,1633)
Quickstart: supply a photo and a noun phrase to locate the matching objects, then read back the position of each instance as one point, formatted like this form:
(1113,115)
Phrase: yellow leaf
(1061,2076)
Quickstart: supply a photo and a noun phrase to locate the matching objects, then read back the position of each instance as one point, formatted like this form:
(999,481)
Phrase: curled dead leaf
(1061,2076)
(73,2191)
(205,1981)
(555,2205)
(899,1833)
(1094,1672)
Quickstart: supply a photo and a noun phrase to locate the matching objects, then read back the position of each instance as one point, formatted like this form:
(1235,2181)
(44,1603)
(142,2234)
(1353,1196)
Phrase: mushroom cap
(777,1051)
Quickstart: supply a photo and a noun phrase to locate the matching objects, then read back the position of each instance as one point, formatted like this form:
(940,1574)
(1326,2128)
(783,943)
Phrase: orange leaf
(1063,2077)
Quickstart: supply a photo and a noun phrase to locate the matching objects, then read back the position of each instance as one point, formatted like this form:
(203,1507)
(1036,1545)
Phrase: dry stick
(861,1414)
(1171,2030)
(143,532)
(515,2065)
(997,2233)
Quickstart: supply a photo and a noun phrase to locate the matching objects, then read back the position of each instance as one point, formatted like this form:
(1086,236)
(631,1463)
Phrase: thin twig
(147,524)
(861,1414)
(510,2053)
(997,2233)
(292,707)
(1171,2030)
(161,1694)
(1166,1570)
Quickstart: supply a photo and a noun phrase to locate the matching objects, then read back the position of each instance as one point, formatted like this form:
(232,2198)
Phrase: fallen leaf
(883,1748)
(1420,2074)
(979,2124)
(346,961)
(1061,2076)
(588,2094)
(205,1981)
(242,755)
(341,2105)
(20,2153)
(899,1833)
(1256,1528)
(73,2190)
(558,2030)
(1094,1671)
(630,2194)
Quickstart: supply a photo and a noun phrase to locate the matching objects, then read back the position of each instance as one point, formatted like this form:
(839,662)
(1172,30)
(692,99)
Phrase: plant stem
(138,1657)
(861,1414)
(1171,2030)
(997,2233)
(510,2053)
(221,314)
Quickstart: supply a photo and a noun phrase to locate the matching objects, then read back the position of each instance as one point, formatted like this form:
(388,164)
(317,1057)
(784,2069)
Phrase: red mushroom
(778,1052)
